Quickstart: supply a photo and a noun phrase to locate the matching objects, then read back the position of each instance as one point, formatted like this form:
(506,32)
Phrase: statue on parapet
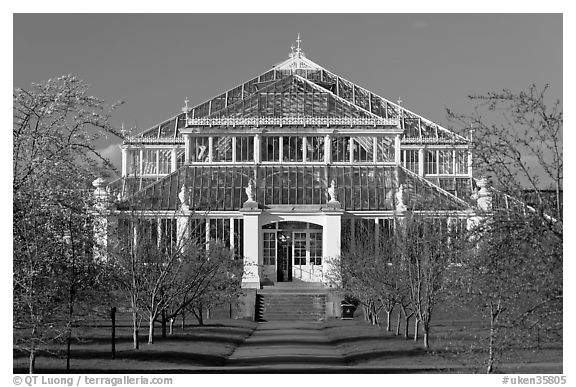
(250,190)
(332,191)
(183,198)
(400,205)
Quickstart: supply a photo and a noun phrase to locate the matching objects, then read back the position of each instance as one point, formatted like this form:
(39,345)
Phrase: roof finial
(399,101)
(186,109)
(298,41)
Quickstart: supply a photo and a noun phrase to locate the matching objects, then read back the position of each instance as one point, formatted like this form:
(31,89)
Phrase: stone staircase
(291,301)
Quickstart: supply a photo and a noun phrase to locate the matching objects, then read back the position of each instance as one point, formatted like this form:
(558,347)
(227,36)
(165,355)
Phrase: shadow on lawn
(188,337)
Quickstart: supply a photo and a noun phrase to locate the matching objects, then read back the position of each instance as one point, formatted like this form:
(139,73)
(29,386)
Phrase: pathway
(287,345)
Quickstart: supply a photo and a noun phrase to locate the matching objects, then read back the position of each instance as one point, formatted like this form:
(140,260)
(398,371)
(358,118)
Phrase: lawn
(362,345)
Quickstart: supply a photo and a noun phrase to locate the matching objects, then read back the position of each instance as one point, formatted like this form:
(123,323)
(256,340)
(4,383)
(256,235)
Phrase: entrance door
(284,256)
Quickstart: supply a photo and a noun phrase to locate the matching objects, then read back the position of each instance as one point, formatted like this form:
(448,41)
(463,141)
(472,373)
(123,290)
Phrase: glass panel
(270,149)
(315,149)
(340,149)
(292,148)
(238,238)
(461,162)
(269,248)
(363,149)
(299,248)
(316,248)
(222,149)
(220,230)
(133,162)
(197,231)
(430,163)
(445,162)
(199,152)
(149,158)
(180,158)
(167,128)
(168,235)
(409,159)
(386,149)
(165,161)
(244,149)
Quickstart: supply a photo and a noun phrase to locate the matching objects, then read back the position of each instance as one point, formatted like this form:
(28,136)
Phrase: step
(293,293)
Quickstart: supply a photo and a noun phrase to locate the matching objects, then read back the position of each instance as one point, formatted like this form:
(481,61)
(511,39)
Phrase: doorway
(284,266)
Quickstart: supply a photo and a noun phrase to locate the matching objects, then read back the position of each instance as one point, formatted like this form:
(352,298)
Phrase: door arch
(292,251)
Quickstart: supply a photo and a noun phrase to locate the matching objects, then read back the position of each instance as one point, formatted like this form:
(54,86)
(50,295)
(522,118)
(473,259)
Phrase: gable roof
(322,82)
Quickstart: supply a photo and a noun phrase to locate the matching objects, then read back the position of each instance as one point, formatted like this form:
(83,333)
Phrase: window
(292,148)
(168,235)
(385,149)
(445,162)
(269,248)
(461,162)
(430,165)
(299,248)
(149,161)
(180,158)
(222,149)
(316,248)
(199,151)
(244,149)
(409,159)
(165,164)
(362,147)
(133,167)
(220,230)
(270,148)
(315,149)
(340,149)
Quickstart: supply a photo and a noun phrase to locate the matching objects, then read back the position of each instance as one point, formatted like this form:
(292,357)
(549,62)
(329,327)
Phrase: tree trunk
(491,352)
(32,362)
(388,313)
(426,343)
(163,324)
(151,330)
(198,313)
(416,326)
(398,323)
(68,347)
(208,314)
(183,320)
(136,343)
(407,322)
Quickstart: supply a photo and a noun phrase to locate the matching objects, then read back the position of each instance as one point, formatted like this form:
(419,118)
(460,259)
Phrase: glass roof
(359,188)
(278,92)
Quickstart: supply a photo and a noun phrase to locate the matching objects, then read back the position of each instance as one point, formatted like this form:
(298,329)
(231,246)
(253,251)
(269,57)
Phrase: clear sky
(153,61)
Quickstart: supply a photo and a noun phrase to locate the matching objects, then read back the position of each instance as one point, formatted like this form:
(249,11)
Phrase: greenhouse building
(288,168)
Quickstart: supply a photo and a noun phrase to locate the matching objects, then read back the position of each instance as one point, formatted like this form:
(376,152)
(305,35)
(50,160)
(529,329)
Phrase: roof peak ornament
(298,53)
(297,59)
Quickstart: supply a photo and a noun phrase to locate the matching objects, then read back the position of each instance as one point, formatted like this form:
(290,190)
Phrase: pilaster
(124,161)
(252,246)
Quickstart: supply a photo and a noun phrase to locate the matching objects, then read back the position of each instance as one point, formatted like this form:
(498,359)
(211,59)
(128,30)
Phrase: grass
(454,339)
(196,346)
(452,342)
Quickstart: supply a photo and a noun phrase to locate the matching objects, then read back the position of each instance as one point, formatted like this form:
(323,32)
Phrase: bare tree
(162,277)
(517,141)
(512,276)
(55,127)
(513,273)
(427,248)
